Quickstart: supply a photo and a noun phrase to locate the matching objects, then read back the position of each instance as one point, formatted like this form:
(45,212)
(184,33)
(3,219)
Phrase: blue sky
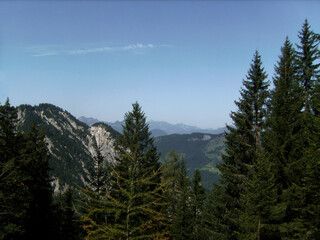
(183,61)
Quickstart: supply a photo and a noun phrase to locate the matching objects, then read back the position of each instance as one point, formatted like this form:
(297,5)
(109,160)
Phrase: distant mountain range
(71,143)
(160,128)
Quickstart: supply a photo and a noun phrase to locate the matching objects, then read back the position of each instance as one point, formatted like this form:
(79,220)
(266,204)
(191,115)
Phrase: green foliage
(67,140)
(98,174)
(201,151)
(243,142)
(67,222)
(198,197)
(26,193)
(178,195)
(307,211)
(270,171)
(37,181)
(259,199)
(13,192)
(132,208)
(215,224)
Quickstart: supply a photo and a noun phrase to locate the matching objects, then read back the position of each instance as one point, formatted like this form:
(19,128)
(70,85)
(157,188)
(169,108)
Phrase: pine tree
(281,140)
(308,187)
(13,191)
(198,197)
(285,106)
(308,66)
(97,182)
(133,205)
(69,228)
(169,171)
(215,225)
(182,217)
(98,176)
(259,199)
(36,178)
(243,142)
(25,191)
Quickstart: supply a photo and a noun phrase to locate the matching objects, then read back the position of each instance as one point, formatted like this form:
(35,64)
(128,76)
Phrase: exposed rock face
(70,142)
(103,140)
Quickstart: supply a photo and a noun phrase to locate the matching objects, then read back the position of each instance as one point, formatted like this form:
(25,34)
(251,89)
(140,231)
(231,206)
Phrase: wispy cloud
(110,49)
(44,54)
(92,50)
(137,46)
(84,51)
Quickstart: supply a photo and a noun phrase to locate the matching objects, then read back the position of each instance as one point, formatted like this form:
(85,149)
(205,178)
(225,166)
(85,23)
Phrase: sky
(183,61)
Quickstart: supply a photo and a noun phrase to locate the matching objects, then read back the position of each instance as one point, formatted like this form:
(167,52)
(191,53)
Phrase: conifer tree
(243,142)
(308,66)
(215,225)
(281,140)
(182,217)
(25,191)
(133,204)
(13,191)
(97,182)
(98,176)
(259,199)
(65,215)
(285,106)
(170,171)
(36,174)
(308,187)
(185,200)
(198,197)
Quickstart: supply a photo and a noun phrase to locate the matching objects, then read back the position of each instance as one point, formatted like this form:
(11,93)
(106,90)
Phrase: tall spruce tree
(13,192)
(281,140)
(134,203)
(36,173)
(285,107)
(25,191)
(243,142)
(308,187)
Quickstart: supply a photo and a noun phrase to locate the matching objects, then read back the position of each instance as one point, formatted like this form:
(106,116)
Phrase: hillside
(201,151)
(70,141)
(70,144)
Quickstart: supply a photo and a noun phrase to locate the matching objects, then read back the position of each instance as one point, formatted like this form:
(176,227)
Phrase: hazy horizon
(183,61)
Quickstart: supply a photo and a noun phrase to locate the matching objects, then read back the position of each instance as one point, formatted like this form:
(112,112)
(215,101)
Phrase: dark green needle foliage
(259,198)
(133,205)
(68,224)
(308,188)
(182,216)
(281,140)
(198,198)
(26,193)
(13,191)
(98,176)
(243,142)
(35,157)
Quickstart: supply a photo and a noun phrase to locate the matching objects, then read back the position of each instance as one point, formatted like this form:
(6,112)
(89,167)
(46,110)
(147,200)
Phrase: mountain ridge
(71,145)
(161,127)
(70,142)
